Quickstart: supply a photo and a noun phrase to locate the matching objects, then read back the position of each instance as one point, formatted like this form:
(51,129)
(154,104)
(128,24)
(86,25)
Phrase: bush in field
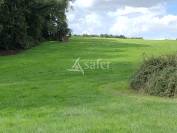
(157,76)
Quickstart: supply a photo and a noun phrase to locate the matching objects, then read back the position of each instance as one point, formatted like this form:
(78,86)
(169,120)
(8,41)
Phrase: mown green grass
(39,94)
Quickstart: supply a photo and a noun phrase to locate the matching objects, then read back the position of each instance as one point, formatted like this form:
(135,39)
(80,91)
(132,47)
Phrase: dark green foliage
(14,28)
(113,36)
(108,36)
(23,23)
(157,76)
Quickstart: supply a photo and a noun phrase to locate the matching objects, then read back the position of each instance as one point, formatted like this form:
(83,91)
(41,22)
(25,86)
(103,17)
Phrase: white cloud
(142,20)
(88,24)
(83,3)
(128,10)
(136,21)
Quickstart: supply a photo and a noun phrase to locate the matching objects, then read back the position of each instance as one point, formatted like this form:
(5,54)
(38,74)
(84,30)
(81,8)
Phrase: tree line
(108,36)
(24,23)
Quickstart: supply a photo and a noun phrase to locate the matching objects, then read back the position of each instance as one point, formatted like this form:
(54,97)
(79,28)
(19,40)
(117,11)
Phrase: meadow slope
(39,94)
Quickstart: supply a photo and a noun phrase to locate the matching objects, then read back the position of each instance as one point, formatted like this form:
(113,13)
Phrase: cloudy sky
(151,19)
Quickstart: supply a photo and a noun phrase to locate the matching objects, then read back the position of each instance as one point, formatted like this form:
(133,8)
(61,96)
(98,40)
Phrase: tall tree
(14,28)
(23,23)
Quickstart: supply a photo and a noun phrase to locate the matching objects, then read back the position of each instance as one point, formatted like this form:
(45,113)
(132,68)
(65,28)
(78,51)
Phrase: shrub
(157,76)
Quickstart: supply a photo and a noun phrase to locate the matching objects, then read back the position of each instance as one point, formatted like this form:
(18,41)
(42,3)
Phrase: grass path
(38,94)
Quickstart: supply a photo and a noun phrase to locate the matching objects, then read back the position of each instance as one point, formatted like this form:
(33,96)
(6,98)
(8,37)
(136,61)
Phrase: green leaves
(23,23)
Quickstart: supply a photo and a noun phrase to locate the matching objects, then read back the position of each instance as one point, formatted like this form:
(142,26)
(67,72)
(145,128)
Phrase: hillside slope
(39,94)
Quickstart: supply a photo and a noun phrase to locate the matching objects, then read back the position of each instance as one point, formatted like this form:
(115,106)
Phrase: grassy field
(39,95)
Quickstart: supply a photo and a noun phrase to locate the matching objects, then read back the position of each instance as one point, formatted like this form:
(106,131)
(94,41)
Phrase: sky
(150,19)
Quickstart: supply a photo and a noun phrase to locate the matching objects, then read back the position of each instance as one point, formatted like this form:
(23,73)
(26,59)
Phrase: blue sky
(172,7)
(151,19)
